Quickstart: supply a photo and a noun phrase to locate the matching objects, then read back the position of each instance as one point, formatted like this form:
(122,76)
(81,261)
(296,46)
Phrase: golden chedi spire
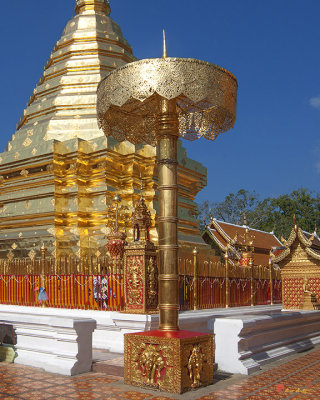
(92,6)
(59,166)
(63,104)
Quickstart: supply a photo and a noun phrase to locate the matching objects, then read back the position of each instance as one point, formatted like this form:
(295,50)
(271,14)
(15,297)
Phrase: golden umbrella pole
(168,221)
(156,101)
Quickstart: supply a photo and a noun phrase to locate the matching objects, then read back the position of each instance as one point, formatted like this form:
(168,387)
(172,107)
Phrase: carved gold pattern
(32,254)
(195,365)
(141,221)
(51,231)
(141,278)
(152,283)
(10,255)
(151,363)
(24,173)
(300,270)
(128,99)
(27,142)
(135,286)
(170,364)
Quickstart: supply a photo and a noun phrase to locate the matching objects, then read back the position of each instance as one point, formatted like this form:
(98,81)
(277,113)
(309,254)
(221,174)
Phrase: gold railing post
(271,280)
(226,260)
(43,251)
(195,278)
(251,282)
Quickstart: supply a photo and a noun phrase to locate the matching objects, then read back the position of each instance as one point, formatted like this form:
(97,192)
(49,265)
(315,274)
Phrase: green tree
(302,203)
(233,208)
(270,214)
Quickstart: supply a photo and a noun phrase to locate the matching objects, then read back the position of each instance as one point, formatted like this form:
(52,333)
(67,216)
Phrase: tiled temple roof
(309,241)
(223,234)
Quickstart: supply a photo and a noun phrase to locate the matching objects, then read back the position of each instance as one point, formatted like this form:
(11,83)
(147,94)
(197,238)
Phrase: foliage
(270,214)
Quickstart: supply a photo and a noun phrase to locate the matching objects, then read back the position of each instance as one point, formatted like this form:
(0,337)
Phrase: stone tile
(160,398)
(85,395)
(36,395)
(60,390)
(132,395)
(106,389)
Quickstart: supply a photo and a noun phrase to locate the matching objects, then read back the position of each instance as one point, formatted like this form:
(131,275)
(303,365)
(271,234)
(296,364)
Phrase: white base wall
(57,344)
(112,325)
(244,344)
(245,337)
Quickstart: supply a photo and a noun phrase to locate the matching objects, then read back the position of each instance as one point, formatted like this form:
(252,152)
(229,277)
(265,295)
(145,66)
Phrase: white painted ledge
(112,325)
(55,343)
(246,342)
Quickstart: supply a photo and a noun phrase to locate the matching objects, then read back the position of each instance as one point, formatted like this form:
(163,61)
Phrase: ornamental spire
(165,53)
(92,6)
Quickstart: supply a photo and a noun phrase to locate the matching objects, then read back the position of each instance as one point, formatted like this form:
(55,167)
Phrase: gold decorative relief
(27,142)
(24,173)
(151,363)
(195,365)
(32,254)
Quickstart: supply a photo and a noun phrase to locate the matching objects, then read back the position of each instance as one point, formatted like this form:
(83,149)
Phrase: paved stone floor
(297,377)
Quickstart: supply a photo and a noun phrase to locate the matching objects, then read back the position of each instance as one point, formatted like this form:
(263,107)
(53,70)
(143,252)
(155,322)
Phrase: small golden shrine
(247,247)
(140,265)
(299,261)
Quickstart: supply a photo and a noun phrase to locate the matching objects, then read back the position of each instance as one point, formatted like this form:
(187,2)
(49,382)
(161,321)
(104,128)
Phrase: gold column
(271,281)
(226,258)
(167,136)
(195,278)
(251,282)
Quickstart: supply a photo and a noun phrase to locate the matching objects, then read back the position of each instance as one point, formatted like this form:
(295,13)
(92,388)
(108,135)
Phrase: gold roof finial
(295,222)
(165,53)
(245,219)
(92,6)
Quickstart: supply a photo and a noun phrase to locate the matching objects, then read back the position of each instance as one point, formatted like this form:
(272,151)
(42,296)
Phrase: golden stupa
(59,171)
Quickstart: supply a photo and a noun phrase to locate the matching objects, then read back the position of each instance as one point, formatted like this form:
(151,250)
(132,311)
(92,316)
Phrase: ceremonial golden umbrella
(156,101)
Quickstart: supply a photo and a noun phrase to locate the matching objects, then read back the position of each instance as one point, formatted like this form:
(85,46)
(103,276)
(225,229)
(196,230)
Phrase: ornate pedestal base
(309,302)
(172,361)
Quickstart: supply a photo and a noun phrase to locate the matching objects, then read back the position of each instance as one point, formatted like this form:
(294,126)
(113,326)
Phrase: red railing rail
(95,283)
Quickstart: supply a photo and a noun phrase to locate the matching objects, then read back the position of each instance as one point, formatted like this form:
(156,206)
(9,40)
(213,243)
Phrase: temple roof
(223,234)
(63,104)
(310,242)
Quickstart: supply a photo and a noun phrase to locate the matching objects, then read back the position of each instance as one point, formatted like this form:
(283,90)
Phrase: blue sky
(271,46)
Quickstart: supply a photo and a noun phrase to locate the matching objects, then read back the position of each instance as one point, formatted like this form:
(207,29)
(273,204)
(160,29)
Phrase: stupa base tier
(170,361)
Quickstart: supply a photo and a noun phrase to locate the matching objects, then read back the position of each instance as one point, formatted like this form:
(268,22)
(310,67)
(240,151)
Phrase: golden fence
(209,284)
(89,283)
(96,283)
